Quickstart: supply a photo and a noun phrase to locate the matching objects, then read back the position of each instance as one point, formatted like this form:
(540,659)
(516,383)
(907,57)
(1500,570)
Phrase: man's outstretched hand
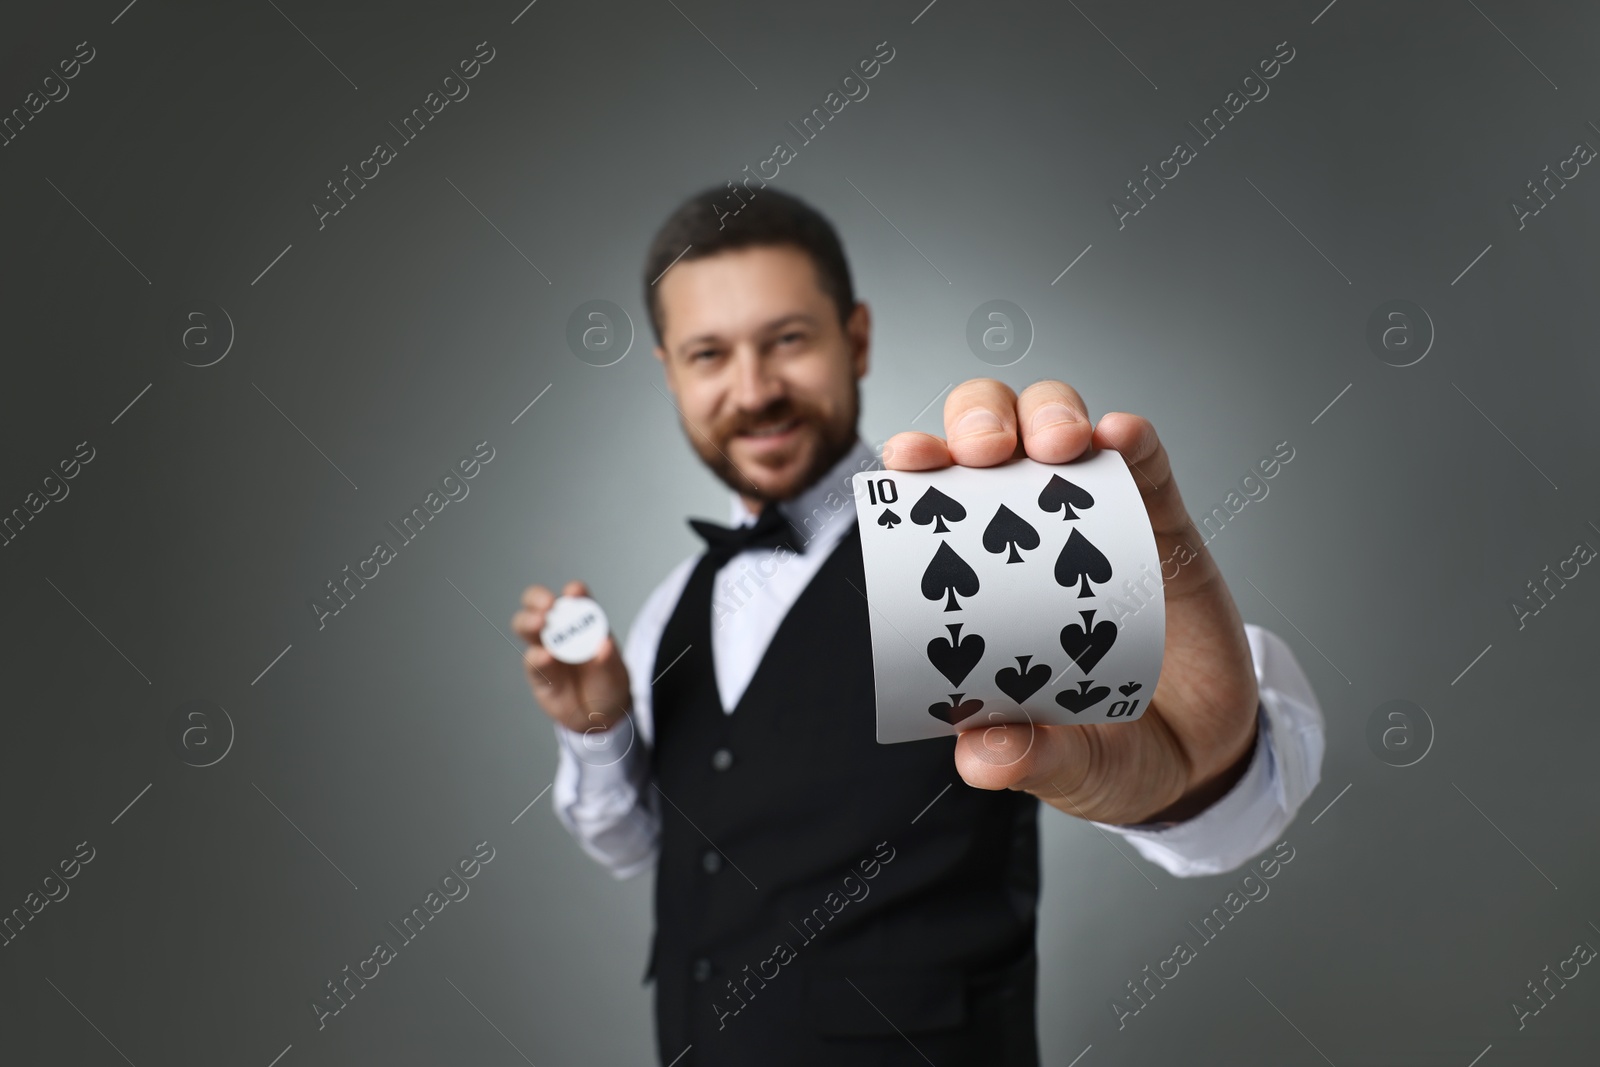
(580,696)
(1195,738)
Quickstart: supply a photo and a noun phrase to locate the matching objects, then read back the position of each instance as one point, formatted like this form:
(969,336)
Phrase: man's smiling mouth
(772,429)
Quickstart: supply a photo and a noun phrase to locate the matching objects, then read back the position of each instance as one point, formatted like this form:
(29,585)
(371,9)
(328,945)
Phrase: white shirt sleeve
(601,792)
(1286,767)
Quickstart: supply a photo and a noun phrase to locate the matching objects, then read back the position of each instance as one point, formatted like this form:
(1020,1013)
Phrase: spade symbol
(1009,530)
(1088,644)
(1062,495)
(955,656)
(889,520)
(1129,688)
(1019,682)
(1081,562)
(955,709)
(936,508)
(1084,697)
(947,575)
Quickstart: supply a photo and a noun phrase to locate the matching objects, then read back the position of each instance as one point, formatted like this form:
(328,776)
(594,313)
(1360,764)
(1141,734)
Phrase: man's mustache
(779,413)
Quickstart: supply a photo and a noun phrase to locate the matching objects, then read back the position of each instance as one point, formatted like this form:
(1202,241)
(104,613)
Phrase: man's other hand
(579,696)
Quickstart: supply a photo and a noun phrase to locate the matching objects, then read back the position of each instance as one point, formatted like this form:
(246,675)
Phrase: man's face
(764,374)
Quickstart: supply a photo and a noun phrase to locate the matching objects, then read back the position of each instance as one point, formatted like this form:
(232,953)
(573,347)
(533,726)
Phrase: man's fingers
(1109,773)
(980,422)
(1022,756)
(1177,539)
(536,602)
(1054,422)
(912,450)
(538,659)
(527,624)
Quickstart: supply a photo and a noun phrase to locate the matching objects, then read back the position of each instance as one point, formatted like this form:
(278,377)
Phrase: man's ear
(666,369)
(858,328)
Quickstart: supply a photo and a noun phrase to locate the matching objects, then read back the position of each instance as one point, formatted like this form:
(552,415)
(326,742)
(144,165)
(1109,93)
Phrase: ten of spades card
(1026,592)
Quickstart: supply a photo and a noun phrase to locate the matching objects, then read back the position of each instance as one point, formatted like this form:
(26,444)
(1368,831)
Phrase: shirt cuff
(598,796)
(1197,845)
(598,763)
(1284,770)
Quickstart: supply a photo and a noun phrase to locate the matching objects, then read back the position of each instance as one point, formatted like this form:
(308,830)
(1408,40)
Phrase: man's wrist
(1206,793)
(595,731)
(598,721)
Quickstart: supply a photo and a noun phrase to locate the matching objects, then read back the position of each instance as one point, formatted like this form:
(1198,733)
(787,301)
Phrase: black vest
(822,898)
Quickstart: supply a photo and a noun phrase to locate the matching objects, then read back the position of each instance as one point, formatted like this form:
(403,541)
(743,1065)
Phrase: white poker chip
(574,629)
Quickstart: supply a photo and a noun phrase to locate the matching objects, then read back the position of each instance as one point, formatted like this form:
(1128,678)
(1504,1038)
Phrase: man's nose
(756,385)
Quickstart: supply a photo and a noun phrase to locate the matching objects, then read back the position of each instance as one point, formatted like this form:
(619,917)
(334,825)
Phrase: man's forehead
(738,291)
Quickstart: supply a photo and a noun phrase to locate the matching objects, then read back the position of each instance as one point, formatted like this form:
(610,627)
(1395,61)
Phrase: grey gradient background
(1416,508)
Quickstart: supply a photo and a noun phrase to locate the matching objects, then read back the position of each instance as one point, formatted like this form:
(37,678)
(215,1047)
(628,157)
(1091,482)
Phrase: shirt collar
(824,510)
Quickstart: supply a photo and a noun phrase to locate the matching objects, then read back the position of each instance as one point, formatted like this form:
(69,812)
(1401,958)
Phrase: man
(821,898)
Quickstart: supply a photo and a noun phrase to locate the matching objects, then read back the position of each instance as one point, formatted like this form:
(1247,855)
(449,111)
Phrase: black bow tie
(770,530)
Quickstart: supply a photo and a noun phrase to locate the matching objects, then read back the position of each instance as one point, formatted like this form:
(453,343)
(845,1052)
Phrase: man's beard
(833,442)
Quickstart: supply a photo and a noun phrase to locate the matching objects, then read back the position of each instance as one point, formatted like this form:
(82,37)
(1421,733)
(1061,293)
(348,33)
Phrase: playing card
(1027,592)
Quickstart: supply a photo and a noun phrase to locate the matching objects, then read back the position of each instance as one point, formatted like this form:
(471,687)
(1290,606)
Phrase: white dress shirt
(601,792)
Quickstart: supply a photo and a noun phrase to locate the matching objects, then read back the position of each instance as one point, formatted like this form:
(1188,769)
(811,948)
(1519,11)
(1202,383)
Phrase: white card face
(1028,592)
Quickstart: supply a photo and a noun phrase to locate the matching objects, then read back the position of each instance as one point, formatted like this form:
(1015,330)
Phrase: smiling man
(771,426)
(821,898)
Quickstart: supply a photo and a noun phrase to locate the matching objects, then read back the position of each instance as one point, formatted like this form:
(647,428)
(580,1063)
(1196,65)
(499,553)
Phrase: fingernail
(1052,414)
(977,421)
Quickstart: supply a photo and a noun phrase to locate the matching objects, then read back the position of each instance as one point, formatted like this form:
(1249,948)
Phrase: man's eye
(703,353)
(791,337)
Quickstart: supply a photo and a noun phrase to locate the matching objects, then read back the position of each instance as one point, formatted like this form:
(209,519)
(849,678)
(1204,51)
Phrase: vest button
(722,759)
(702,969)
(712,861)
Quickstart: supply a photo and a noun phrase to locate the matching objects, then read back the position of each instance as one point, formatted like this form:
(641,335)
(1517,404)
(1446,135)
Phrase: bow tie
(770,530)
